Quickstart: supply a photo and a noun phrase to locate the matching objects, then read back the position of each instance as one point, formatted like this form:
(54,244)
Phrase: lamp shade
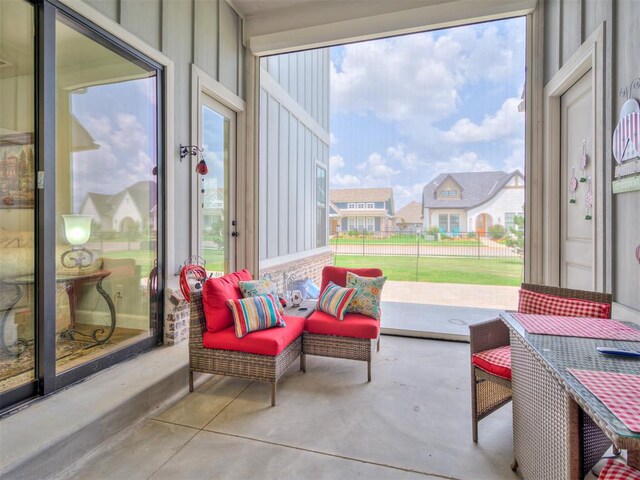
(77,228)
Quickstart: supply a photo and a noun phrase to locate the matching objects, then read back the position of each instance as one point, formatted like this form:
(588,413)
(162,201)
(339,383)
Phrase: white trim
(316,26)
(622,312)
(274,89)
(294,257)
(203,85)
(590,56)
(171,154)
(209,85)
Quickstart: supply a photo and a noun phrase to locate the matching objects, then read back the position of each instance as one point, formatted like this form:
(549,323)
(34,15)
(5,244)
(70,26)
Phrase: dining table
(571,402)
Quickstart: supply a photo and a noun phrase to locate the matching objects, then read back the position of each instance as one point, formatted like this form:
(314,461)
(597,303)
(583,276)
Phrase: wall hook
(192,150)
(626,91)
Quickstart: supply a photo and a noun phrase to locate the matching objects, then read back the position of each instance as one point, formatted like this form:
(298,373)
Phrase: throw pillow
(367,298)
(543,304)
(263,286)
(335,300)
(255,313)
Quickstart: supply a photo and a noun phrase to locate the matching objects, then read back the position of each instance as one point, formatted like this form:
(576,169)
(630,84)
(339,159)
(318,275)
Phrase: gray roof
(477,188)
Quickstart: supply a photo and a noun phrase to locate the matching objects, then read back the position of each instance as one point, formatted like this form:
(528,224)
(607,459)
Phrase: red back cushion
(215,293)
(338,275)
(543,304)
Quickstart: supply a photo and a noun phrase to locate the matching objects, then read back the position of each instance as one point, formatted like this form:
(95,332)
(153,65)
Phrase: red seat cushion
(618,471)
(496,361)
(338,275)
(263,342)
(215,293)
(353,325)
(544,304)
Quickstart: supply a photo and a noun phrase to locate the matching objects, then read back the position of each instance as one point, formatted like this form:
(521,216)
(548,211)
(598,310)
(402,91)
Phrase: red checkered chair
(618,471)
(489,342)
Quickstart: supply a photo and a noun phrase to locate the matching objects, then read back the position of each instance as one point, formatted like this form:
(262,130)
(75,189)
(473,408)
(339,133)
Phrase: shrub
(433,231)
(471,235)
(496,232)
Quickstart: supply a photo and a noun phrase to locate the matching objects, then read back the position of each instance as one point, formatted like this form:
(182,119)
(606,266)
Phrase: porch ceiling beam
(297,29)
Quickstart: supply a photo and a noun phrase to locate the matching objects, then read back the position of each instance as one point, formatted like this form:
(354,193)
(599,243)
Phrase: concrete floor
(411,421)
(441,310)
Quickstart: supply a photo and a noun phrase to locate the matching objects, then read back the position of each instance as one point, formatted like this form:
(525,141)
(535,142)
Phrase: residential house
(129,210)
(409,217)
(473,201)
(364,209)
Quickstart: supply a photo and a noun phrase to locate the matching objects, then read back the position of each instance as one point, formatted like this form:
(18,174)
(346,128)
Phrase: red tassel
(202,168)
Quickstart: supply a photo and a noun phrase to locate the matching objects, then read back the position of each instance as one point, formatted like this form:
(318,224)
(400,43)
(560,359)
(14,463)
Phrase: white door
(216,192)
(577,259)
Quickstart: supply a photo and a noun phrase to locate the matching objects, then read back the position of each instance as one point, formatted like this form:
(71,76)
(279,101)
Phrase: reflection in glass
(106,159)
(214,191)
(17,197)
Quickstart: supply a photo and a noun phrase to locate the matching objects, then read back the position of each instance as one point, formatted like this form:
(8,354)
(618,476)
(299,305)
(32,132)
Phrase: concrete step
(47,436)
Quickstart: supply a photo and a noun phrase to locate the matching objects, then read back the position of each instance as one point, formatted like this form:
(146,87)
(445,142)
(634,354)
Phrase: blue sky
(408,108)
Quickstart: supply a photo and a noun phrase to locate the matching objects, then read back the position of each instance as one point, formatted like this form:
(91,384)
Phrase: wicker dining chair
(489,392)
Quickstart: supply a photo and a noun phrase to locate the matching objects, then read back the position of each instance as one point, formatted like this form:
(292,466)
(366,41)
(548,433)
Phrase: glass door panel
(17,195)
(106,198)
(217,132)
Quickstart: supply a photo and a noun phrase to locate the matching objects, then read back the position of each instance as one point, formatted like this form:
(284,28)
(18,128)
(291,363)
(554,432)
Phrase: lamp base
(77,257)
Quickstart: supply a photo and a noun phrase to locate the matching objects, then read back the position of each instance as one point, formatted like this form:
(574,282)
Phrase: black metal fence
(441,244)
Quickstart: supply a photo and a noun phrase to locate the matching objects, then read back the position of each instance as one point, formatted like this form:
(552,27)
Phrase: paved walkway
(441,310)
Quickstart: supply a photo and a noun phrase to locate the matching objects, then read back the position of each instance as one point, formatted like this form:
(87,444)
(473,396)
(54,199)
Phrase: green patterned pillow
(261,287)
(367,298)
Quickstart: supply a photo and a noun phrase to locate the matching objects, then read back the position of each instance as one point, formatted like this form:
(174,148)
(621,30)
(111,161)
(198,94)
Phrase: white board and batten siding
(204,33)
(294,137)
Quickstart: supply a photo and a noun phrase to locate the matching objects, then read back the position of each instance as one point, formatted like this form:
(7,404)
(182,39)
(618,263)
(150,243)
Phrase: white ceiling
(257,8)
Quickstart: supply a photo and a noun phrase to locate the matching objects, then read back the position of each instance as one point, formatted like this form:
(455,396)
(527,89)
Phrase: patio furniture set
(216,345)
(570,402)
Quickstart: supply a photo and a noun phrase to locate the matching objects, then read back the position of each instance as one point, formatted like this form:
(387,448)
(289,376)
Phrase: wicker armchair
(263,368)
(490,392)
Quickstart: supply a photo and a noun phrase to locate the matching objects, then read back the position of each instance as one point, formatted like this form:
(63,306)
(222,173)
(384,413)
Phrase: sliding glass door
(17,195)
(80,203)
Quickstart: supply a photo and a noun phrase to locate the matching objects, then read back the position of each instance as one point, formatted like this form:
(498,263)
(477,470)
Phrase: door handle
(235,234)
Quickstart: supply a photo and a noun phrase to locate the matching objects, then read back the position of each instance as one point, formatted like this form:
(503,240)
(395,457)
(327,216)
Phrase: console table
(560,429)
(71,282)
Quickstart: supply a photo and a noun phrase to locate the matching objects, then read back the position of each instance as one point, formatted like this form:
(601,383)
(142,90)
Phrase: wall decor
(573,186)
(626,143)
(584,161)
(588,200)
(17,171)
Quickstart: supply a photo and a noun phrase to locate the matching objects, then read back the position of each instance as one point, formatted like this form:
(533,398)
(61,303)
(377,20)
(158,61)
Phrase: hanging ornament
(584,160)
(201,167)
(588,201)
(573,186)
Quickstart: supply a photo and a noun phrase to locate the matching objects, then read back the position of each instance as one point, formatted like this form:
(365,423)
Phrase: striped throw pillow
(335,300)
(255,313)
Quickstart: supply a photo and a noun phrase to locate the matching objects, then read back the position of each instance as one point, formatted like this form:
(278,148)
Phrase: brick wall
(307,267)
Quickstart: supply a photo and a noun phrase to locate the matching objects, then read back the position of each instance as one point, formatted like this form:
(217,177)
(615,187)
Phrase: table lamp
(77,229)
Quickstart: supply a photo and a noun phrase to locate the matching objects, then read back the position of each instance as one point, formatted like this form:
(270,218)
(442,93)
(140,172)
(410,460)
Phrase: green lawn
(409,239)
(475,271)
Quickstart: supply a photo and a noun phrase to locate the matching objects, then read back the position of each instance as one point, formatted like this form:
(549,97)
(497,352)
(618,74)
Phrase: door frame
(203,85)
(590,56)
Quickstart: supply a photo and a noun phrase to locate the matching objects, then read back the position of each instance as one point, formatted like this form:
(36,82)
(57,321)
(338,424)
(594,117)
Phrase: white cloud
(338,179)
(515,160)
(506,122)
(409,161)
(422,75)
(467,162)
(333,140)
(376,169)
(406,193)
